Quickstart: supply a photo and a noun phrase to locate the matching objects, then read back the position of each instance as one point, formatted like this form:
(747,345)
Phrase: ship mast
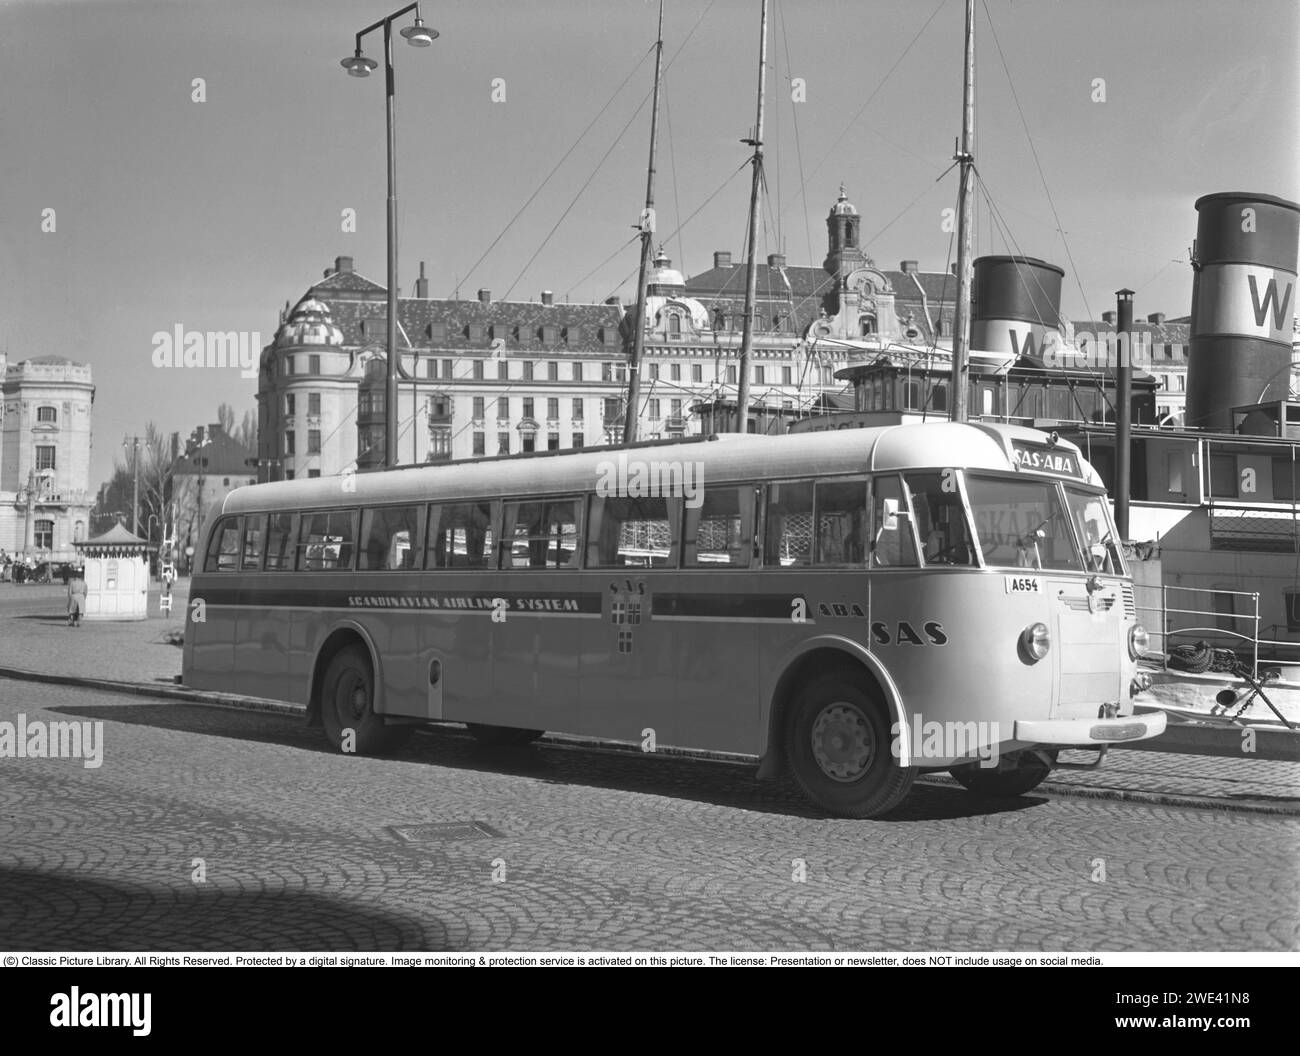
(965,157)
(751,270)
(647,225)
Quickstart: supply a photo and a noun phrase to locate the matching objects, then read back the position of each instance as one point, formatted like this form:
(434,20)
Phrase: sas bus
(851,608)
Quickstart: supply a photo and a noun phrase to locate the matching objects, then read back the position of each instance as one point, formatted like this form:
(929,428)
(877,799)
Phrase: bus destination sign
(1043,459)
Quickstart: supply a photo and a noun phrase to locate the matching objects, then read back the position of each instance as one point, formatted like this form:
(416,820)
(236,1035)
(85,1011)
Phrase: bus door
(536,615)
(630,655)
(715,608)
(456,636)
(212,627)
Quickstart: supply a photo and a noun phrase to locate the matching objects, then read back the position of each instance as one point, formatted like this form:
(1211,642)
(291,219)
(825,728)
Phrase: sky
(207,205)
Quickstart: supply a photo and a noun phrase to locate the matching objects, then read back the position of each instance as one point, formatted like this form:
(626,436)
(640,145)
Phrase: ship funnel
(1243,300)
(1015,309)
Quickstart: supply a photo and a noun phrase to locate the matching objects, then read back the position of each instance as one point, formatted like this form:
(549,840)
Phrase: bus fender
(337,634)
(772,760)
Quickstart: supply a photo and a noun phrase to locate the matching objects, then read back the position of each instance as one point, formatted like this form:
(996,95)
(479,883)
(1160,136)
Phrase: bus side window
(541,534)
(254,531)
(940,521)
(279,542)
(325,541)
(633,532)
(720,531)
(389,538)
(892,545)
(460,535)
(841,521)
(223,549)
(787,540)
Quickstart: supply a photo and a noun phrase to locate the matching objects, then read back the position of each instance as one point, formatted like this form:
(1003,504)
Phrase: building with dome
(484,377)
(45,438)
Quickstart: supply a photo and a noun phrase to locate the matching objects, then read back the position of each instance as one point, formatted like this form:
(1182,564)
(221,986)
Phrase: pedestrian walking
(76,600)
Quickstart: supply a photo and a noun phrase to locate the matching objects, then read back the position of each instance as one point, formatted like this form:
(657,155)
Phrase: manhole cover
(441,831)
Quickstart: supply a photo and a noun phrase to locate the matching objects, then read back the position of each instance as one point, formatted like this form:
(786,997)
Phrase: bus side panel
(398,636)
(212,656)
(262,634)
(715,617)
(462,643)
(631,660)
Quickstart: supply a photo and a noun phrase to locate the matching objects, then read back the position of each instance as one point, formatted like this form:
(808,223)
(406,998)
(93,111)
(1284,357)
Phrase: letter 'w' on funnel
(1243,300)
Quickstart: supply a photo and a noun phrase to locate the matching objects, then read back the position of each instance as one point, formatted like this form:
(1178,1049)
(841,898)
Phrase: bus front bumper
(1091,731)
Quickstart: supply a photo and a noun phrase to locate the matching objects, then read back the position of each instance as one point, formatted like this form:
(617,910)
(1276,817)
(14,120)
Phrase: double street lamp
(358,65)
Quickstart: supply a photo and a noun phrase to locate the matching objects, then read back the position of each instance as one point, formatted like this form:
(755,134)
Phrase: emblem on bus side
(625,610)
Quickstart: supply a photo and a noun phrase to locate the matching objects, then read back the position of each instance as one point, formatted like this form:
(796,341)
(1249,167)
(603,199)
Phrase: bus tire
(840,750)
(1027,773)
(502,736)
(348,704)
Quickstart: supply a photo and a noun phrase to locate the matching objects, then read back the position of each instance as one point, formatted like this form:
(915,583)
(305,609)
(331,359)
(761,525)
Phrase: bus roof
(726,457)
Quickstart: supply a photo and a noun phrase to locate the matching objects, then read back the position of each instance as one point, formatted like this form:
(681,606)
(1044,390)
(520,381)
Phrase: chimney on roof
(776,260)
(722,258)
(908,267)
(548,298)
(1108,317)
(484,296)
(422,285)
(1157,318)
(953,268)
(343,265)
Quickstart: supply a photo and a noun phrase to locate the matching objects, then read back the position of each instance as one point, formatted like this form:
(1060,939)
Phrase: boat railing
(1179,621)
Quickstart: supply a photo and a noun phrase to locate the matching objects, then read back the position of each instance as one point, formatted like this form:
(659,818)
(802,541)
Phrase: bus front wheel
(1015,774)
(839,747)
(347,706)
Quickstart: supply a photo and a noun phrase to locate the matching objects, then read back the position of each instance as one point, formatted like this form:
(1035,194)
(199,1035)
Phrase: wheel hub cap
(842,742)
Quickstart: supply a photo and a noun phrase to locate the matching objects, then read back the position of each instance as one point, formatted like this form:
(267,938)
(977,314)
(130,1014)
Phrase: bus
(849,609)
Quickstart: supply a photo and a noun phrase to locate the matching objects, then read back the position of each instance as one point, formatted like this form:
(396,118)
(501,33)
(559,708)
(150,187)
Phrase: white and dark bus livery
(849,608)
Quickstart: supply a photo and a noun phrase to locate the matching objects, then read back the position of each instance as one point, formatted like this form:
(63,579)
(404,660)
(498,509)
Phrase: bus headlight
(1035,641)
(1138,641)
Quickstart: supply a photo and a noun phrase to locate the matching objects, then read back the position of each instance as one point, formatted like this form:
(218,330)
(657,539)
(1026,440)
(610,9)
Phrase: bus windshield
(1020,524)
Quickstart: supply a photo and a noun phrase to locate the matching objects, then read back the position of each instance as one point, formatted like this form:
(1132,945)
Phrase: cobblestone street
(579,849)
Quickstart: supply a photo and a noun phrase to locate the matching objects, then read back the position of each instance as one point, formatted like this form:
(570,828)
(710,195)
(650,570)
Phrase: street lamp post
(358,65)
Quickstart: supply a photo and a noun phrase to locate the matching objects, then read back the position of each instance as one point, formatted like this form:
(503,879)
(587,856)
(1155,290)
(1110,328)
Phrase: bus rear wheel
(502,736)
(347,706)
(1015,774)
(839,748)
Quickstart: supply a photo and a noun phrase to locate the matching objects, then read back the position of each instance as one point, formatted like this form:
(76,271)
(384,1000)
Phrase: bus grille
(1130,607)
(1104,604)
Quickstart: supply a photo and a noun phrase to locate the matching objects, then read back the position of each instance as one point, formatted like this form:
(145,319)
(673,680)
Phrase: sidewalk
(35,641)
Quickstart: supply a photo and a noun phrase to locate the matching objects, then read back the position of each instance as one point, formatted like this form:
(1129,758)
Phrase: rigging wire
(1034,152)
(798,147)
(645,99)
(532,197)
(884,80)
(574,201)
(721,187)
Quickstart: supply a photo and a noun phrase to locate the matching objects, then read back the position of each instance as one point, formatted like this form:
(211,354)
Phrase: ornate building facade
(485,377)
(45,438)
